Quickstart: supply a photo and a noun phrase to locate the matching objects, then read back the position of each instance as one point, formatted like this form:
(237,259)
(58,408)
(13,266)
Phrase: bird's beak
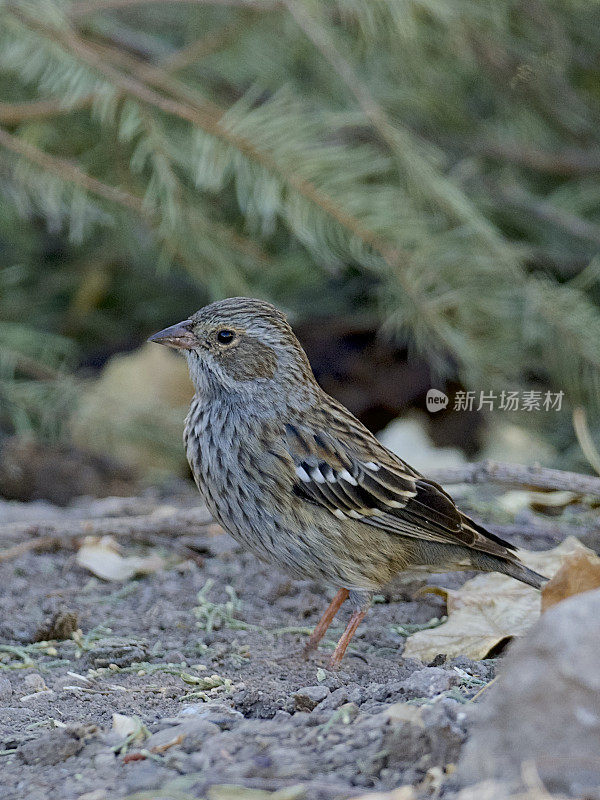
(178,336)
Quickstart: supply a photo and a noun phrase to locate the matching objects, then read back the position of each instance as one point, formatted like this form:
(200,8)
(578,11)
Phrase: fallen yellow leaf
(101,556)
(489,609)
(579,573)
(402,793)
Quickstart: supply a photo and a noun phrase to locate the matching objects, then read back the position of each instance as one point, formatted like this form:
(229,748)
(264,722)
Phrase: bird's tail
(518,570)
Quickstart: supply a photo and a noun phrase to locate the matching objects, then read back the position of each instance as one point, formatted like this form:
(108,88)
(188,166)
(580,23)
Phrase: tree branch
(63,530)
(532,477)
(572,162)
(207,116)
(68,171)
(15,113)
(92,6)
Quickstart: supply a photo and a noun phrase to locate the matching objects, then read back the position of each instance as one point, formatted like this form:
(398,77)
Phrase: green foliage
(445,153)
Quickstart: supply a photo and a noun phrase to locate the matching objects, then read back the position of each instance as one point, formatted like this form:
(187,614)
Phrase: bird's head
(240,345)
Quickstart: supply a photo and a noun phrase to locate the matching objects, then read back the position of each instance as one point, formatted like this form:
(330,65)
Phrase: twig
(198,49)
(42,543)
(66,170)
(62,531)
(15,113)
(547,212)
(209,117)
(571,162)
(92,6)
(584,437)
(533,477)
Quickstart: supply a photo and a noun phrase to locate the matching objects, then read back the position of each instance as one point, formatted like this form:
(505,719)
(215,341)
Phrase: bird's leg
(325,621)
(344,641)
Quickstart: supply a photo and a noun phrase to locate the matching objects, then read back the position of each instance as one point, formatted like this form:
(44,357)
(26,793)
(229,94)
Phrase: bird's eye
(225,336)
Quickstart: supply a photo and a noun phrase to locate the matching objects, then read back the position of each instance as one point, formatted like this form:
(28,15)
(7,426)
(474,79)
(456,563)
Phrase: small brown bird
(295,477)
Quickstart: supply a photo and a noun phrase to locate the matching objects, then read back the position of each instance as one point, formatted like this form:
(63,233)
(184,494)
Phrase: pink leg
(325,621)
(344,641)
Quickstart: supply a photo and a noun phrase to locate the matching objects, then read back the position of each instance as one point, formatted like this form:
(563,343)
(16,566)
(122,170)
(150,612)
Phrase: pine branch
(208,117)
(399,139)
(16,113)
(565,163)
(86,7)
(199,49)
(548,213)
(67,171)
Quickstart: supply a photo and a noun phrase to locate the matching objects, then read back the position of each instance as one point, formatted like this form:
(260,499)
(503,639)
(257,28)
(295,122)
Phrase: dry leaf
(231,792)
(580,572)
(489,609)
(102,557)
(125,726)
(401,793)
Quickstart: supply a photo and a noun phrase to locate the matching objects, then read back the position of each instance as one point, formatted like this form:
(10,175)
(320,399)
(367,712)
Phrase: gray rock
(423,737)
(193,733)
(336,699)
(429,682)
(57,746)
(221,715)
(5,690)
(34,683)
(309,697)
(105,760)
(143,776)
(545,706)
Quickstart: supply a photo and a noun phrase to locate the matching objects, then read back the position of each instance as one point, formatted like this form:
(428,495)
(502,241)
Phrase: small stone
(60,626)
(192,734)
(5,690)
(429,682)
(95,794)
(34,683)
(57,746)
(309,697)
(348,712)
(104,760)
(336,699)
(143,776)
(221,715)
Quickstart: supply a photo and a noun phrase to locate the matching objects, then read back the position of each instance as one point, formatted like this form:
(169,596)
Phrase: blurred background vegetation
(414,181)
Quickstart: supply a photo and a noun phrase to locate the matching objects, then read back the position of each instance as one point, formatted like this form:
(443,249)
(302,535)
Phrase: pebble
(221,715)
(309,697)
(56,746)
(429,682)
(336,699)
(193,732)
(143,776)
(5,690)
(104,760)
(34,683)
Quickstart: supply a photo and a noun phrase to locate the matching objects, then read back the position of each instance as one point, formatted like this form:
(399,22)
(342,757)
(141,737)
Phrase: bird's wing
(342,467)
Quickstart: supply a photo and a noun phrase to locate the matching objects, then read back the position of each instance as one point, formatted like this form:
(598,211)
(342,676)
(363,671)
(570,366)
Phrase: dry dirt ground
(207,654)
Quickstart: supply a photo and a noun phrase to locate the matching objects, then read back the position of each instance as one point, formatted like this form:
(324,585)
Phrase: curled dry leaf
(401,793)
(101,555)
(490,609)
(125,727)
(579,573)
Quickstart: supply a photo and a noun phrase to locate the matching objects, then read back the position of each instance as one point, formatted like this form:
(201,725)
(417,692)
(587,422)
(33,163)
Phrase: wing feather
(374,486)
